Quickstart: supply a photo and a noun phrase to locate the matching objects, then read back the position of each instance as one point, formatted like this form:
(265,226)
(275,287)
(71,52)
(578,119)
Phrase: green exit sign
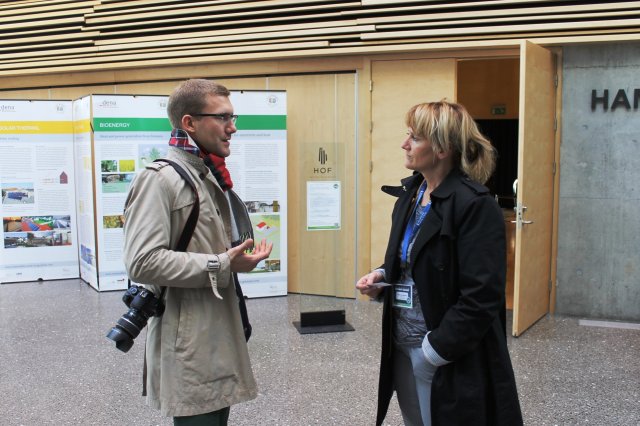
(498,110)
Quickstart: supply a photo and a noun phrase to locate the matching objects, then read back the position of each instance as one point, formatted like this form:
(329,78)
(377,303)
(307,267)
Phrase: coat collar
(435,221)
(448,185)
(192,160)
(411,183)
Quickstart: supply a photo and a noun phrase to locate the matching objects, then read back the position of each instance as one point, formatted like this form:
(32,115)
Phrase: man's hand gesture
(246,256)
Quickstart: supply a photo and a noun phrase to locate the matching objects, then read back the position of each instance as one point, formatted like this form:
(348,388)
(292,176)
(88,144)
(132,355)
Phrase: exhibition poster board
(258,167)
(118,135)
(38,198)
(82,154)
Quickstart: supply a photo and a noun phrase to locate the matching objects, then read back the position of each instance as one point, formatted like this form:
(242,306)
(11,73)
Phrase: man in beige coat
(197,362)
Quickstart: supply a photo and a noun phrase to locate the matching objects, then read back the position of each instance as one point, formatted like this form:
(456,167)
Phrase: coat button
(202,176)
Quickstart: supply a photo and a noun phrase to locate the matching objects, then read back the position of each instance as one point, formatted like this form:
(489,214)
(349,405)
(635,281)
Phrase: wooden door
(534,202)
(321,146)
(397,85)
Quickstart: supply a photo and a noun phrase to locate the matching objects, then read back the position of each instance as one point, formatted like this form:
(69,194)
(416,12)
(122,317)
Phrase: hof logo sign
(323,157)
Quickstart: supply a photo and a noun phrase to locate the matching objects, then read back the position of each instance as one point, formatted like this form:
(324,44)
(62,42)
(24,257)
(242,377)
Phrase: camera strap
(192,220)
(183,242)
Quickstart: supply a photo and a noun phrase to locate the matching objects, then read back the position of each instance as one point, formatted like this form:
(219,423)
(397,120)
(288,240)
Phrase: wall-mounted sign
(622,99)
(323,206)
(321,160)
(499,109)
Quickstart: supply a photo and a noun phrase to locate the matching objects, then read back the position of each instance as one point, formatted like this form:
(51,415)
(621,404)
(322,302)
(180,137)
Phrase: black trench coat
(459,267)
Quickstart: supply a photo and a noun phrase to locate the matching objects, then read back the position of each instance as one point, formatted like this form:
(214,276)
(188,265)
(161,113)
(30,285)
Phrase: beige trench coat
(196,353)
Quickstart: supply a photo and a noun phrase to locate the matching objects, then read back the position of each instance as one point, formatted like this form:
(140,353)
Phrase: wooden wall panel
(134,34)
(320,113)
(26,94)
(166,87)
(78,92)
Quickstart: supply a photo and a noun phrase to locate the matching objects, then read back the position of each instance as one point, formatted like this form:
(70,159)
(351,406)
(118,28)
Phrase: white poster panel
(128,133)
(125,133)
(39,239)
(258,167)
(82,152)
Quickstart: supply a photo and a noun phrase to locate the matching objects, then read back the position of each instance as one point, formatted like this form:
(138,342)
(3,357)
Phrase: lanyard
(414,223)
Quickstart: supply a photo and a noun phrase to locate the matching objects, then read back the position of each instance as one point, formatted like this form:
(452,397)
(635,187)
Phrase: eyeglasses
(225,118)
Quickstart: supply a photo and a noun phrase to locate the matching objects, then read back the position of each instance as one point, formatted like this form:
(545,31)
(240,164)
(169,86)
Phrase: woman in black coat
(444,348)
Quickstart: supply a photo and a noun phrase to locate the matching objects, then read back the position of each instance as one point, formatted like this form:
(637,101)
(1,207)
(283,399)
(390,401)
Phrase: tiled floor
(57,367)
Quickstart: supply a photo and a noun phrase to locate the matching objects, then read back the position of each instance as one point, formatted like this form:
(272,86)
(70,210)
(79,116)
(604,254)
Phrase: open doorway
(503,94)
(489,89)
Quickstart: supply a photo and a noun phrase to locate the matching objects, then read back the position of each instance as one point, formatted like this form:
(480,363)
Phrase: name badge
(403,296)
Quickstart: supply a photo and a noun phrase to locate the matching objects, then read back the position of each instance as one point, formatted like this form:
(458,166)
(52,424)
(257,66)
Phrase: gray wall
(599,222)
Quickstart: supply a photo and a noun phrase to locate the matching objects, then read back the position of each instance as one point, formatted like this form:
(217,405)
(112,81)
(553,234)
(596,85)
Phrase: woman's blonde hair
(448,126)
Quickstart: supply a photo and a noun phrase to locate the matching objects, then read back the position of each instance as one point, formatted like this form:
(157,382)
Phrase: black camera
(142,305)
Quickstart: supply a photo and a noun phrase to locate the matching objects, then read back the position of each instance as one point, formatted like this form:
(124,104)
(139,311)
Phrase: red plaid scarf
(220,171)
(180,139)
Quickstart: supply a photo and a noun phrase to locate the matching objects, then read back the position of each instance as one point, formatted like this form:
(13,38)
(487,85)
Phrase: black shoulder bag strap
(183,242)
(190,226)
(192,220)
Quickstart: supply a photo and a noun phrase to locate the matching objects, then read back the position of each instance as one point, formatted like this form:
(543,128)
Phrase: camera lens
(127,328)
(142,305)
(123,340)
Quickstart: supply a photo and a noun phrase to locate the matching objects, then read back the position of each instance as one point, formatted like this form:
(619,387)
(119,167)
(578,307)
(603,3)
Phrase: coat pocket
(183,333)
(440,261)
(205,349)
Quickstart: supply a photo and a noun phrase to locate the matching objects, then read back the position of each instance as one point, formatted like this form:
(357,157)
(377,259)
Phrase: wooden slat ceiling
(40,37)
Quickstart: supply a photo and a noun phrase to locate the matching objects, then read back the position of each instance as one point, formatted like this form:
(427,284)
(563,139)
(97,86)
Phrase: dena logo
(108,104)
(7,108)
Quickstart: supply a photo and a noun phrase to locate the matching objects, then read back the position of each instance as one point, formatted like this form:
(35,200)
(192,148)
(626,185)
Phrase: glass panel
(321,134)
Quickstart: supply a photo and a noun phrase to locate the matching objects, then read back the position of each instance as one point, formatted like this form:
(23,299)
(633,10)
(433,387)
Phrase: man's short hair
(190,97)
